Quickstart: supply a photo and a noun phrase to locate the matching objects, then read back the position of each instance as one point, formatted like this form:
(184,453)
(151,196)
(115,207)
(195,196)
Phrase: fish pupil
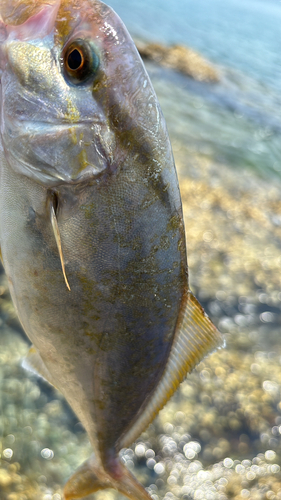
(75,60)
(80,62)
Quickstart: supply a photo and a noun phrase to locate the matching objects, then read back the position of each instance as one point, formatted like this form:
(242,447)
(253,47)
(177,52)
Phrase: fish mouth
(53,176)
(65,153)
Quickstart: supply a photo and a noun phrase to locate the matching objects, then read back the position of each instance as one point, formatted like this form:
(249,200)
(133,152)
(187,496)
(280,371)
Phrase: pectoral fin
(35,364)
(56,231)
(195,337)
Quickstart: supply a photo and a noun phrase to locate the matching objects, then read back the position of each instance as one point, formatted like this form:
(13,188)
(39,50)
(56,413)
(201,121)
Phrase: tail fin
(91,477)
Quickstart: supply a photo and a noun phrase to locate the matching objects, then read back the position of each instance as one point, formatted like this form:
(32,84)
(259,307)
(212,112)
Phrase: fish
(91,228)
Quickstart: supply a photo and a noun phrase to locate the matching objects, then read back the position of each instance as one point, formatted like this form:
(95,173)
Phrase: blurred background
(216,68)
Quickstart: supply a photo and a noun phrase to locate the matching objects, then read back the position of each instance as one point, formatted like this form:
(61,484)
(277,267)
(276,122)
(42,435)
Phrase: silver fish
(91,228)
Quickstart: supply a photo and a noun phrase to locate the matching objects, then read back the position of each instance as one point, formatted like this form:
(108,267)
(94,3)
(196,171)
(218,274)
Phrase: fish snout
(38,25)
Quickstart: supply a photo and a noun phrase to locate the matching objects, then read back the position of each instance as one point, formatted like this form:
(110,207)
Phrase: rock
(180,58)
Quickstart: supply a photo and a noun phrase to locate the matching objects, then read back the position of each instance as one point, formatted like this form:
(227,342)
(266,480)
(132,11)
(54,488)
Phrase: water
(238,121)
(244,35)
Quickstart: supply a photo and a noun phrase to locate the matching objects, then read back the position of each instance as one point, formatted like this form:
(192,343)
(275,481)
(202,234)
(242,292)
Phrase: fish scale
(91,229)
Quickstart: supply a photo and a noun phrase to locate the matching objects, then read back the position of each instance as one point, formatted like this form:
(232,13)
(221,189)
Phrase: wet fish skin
(97,156)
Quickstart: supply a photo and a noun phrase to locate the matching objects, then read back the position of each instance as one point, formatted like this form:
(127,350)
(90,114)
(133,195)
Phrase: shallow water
(238,120)
(219,437)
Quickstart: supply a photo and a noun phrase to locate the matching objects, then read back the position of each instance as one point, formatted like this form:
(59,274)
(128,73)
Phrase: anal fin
(35,364)
(195,337)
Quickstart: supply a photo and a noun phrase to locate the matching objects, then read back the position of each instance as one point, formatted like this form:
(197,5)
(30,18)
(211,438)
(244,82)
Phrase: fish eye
(80,61)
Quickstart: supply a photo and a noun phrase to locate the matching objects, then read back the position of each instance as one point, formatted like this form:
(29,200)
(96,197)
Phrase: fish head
(76,99)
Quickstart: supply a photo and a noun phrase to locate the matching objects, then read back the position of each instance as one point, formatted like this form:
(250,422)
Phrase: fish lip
(49,125)
(82,181)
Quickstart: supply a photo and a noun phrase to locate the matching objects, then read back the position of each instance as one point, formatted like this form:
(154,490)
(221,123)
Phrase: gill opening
(54,203)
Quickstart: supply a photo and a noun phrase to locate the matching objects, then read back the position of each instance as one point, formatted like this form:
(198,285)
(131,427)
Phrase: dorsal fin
(195,337)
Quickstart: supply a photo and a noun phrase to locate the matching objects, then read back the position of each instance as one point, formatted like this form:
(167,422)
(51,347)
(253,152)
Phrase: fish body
(91,228)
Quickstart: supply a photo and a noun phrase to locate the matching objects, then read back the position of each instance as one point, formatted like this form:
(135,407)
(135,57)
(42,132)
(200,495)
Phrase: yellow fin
(195,337)
(83,482)
(58,242)
(91,477)
(35,364)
